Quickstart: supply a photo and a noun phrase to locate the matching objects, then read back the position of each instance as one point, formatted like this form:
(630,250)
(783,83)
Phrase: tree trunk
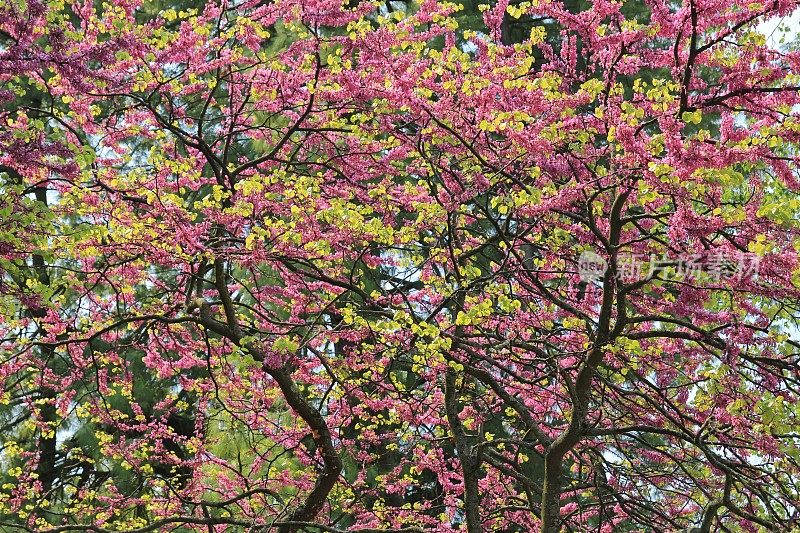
(551,493)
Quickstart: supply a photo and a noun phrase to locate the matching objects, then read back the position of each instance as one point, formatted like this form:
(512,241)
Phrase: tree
(396,266)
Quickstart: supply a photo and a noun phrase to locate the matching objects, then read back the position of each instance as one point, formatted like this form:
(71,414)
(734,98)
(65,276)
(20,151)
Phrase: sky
(770,28)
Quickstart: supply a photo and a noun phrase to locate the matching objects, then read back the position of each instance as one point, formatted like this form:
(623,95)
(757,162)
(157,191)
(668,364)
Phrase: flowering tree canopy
(313,265)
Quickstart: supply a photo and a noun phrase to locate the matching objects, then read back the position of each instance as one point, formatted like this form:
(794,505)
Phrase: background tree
(322,266)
